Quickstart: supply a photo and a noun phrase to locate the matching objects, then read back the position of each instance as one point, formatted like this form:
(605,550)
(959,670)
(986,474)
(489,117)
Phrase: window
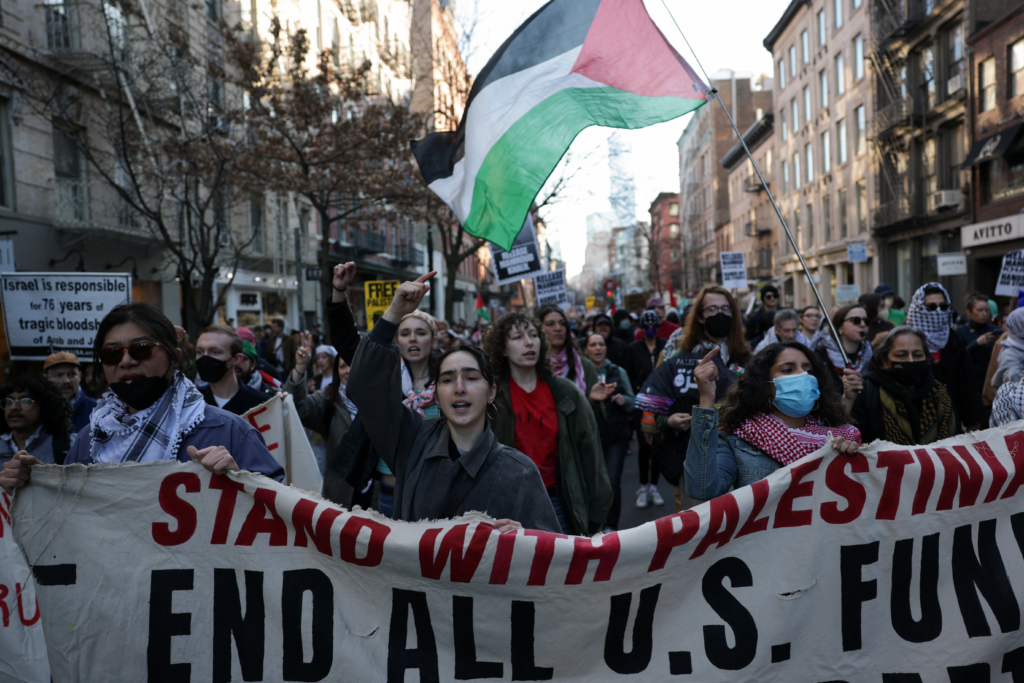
(785,177)
(1017,69)
(213,10)
(858,58)
(987,83)
(805,46)
(826,153)
(862,205)
(795,108)
(792,61)
(256,226)
(929,167)
(758,113)
(1000,181)
(335,42)
(673,209)
(797,180)
(810,226)
(809,161)
(797,230)
(823,86)
(955,47)
(856,4)
(807,103)
(821,27)
(838,5)
(6,171)
(841,132)
(785,129)
(842,213)
(768,163)
(673,230)
(926,65)
(954,155)
(782,74)
(860,143)
(675,254)
(840,75)
(826,217)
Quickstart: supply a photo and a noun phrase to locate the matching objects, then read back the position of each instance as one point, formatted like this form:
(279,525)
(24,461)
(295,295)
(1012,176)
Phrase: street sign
(857,252)
(610,285)
(954,263)
(378,294)
(314,274)
(734,269)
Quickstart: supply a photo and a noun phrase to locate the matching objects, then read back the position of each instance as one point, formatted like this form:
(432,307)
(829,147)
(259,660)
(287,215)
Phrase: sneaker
(641,498)
(656,498)
(607,530)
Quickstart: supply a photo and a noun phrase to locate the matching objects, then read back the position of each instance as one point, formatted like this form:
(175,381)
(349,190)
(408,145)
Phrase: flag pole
(778,212)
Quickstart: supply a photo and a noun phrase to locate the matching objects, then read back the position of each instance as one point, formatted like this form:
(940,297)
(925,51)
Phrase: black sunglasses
(857,320)
(933,307)
(112,355)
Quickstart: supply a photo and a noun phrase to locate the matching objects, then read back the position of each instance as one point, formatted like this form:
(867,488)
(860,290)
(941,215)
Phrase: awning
(993,146)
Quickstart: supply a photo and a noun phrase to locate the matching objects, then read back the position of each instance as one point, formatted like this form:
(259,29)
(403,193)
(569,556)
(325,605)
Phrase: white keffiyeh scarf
(151,434)
(934,324)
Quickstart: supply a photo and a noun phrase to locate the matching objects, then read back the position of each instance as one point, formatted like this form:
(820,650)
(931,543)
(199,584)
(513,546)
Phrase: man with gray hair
(786,328)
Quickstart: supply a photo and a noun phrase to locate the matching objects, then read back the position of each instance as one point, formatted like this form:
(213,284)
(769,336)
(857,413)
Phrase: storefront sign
(734,269)
(49,312)
(379,294)
(520,262)
(551,290)
(1011,275)
(954,263)
(847,293)
(999,230)
(857,252)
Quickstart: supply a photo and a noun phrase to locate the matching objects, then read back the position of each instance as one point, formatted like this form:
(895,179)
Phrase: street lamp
(135,266)
(81,260)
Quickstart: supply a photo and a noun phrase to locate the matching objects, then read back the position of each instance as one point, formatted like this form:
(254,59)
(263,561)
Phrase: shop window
(1017,69)
(843,213)
(826,217)
(987,84)
(1001,180)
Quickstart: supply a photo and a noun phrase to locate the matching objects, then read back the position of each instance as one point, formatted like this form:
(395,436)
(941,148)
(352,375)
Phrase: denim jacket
(716,461)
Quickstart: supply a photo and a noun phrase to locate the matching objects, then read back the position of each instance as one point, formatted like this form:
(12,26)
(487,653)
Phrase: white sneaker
(656,498)
(641,498)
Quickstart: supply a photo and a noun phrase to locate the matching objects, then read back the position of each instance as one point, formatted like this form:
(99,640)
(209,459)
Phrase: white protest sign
(520,262)
(734,269)
(852,568)
(847,293)
(954,263)
(282,431)
(551,289)
(1011,275)
(49,312)
(22,643)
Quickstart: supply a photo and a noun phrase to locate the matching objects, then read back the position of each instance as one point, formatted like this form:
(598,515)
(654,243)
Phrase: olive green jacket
(584,489)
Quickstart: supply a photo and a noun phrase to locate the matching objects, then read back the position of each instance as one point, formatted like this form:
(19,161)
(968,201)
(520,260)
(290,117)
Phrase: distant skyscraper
(622,194)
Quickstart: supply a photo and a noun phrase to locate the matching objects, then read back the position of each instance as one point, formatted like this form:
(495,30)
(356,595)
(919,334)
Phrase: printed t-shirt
(536,427)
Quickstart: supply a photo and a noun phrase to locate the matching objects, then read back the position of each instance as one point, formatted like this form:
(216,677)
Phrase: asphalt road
(631,516)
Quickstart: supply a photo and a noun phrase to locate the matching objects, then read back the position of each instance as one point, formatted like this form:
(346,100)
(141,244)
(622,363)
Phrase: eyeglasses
(857,320)
(934,307)
(23,403)
(769,296)
(112,355)
(715,310)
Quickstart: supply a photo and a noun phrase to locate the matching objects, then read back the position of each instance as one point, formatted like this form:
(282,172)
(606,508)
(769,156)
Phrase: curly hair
(693,330)
(54,411)
(495,340)
(751,393)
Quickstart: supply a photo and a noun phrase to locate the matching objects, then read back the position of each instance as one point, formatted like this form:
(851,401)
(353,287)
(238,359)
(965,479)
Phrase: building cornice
(787,17)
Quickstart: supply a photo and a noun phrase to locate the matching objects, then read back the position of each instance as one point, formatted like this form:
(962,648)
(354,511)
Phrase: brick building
(665,263)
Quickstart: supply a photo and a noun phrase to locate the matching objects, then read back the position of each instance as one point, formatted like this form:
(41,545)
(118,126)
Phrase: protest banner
(49,312)
(278,423)
(551,289)
(734,269)
(893,564)
(22,643)
(1011,275)
(635,303)
(378,295)
(522,261)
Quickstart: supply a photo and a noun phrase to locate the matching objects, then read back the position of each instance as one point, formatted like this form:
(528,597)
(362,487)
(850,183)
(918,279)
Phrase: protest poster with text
(279,424)
(1011,275)
(734,269)
(377,297)
(522,261)
(551,289)
(893,564)
(22,642)
(49,312)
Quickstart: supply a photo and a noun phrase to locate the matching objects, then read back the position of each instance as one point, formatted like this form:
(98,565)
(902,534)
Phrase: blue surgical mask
(796,395)
(624,325)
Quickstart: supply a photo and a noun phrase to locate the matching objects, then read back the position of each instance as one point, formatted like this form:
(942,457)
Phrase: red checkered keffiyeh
(787,445)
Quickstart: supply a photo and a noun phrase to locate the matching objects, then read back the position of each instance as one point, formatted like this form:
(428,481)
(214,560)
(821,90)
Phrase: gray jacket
(311,409)
(500,480)
(716,461)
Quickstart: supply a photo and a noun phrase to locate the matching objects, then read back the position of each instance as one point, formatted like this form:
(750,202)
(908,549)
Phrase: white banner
(22,644)
(551,289)
(894,565)
(286,440)
(49,312)
(1011,275)
(734,269)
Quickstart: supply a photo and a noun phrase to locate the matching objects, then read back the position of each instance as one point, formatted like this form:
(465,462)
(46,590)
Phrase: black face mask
(141,393)
(909,373)
(211,370)
(718,325)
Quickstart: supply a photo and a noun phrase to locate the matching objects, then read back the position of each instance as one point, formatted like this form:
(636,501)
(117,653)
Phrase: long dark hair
(54,411)
(497,337)
(147,316)
(693,332)
(751,393)
(571,352)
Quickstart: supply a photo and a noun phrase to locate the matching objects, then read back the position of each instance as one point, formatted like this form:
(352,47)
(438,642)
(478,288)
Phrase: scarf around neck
(786,445)
(151,434)
(770,337)
(560,366)
(416,400)
(823,339)
(934,324)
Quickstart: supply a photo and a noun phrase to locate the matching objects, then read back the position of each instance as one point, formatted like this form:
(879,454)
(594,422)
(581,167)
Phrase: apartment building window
(954,155)
(843,228)
(858,58)
(826,217)
(335,42)
(1017,69)
(1000,180)
(838,7)
(6,170)
(70,188)
(860,143)
(821,27)
(840,75)
(785,128)
(826,153)
(810,225)
(785,177)
(795,109)
(926,66)
(823,86)
(856,4)
(809,161)
(673,230)
(805,46)
(798,232)
(213,10)
(797,179)
(929,167)
(782,74)
(807,103)
(257,226)
(987,84)
(862,205)
(841,132)
(792,61)
(955,45)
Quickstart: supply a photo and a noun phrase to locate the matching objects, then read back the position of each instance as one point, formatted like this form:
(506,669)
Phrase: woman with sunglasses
(851,322)
(930,314)
(152,411)
(36,421)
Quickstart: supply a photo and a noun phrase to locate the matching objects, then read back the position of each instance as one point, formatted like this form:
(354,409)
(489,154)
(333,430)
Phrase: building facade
(665,257)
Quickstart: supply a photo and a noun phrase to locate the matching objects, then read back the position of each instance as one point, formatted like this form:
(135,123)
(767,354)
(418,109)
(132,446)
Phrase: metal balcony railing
(894,19)
(890,117)
(72,202)
(408,254)
(366,242)
(891,212)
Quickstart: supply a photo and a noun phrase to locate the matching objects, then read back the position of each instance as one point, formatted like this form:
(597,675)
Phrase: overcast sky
(726,34)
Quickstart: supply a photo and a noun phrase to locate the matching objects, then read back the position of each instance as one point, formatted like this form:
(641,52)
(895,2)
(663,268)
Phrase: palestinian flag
(481,309)
(573,64)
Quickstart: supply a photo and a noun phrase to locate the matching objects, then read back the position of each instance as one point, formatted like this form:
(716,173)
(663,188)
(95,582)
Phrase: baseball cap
(58,358)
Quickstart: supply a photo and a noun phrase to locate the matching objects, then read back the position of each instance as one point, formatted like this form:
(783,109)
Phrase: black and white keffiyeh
(934,324)
(151,434)
(823,338)
(1008,405)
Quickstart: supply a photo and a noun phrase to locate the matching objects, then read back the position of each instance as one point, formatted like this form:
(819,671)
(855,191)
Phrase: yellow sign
(590,302)
(379,294)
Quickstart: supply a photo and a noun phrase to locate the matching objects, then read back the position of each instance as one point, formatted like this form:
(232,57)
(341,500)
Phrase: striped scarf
(560,366)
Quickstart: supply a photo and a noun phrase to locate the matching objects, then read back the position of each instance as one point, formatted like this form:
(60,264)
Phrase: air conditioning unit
(224,239)
(946,199)
(955,84)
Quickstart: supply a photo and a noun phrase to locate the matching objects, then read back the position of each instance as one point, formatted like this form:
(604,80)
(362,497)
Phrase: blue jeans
(563,521)
(615,453)
(386,504)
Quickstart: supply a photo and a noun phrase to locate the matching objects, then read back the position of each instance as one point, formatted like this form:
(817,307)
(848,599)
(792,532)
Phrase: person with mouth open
(152,411)
(452,464)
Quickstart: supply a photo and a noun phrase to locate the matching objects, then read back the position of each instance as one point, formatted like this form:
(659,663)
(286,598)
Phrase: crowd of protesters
(531,419)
